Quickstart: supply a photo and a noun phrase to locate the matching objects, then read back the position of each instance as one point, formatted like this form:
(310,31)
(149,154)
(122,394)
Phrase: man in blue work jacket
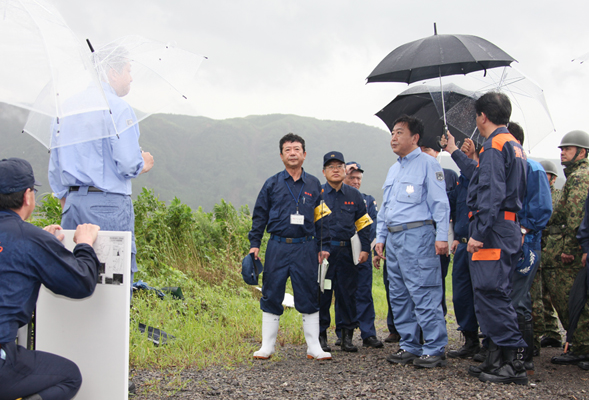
(93,179)
(29,257)
(348,216)
(462,293)
(414,200)
(533,217)
(495,196)
(290,208)
(364,300)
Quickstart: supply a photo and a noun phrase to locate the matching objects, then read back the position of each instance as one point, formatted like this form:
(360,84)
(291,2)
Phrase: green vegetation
(219,320)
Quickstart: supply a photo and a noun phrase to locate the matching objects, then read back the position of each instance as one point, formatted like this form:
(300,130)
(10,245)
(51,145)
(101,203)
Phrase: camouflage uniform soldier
(563,254)
(545,322)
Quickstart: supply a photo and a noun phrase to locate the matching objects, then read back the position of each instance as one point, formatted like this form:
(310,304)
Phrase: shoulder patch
(440,176)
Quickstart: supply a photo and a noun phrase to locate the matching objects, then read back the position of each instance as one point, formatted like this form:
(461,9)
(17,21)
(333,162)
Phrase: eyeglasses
(336,167)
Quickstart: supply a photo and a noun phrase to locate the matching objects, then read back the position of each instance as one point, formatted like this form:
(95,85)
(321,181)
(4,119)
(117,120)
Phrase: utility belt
(507,215)
(410,225)
(90,189)
(291,240)
(343,243)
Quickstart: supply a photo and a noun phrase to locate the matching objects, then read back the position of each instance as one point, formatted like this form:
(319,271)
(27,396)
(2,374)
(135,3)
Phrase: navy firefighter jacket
(282,197)
(457,198)
(348,214)
(29,257)
(499,182)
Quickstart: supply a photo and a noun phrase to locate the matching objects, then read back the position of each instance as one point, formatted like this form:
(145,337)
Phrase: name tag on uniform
(297,219)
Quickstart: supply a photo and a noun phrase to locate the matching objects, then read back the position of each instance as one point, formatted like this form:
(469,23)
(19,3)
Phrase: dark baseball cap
(333,155)
(16,175)
(359,168)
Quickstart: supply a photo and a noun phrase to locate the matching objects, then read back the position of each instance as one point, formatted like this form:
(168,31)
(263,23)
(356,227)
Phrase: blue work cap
(250,269)
(333,155)
(16,175)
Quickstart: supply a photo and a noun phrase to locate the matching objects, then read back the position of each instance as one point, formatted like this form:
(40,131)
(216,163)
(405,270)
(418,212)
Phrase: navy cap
(333,155)
(358,167)
(16,175)
(250,269)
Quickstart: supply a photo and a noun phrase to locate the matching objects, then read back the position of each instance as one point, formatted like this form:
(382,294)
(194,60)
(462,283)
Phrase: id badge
(297,219)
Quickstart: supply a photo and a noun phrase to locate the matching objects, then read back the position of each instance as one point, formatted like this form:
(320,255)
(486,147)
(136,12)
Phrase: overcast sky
(311,57)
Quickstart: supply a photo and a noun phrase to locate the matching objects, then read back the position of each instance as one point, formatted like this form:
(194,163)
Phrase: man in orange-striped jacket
(495,195)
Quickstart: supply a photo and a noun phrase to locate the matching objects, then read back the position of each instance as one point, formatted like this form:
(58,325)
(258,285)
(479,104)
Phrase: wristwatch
(524,230)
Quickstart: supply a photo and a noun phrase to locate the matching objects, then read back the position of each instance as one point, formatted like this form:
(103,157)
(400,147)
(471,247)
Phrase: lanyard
(292,194)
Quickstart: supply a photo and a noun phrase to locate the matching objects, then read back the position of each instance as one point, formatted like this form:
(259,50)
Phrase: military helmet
(549,167)
(575,138)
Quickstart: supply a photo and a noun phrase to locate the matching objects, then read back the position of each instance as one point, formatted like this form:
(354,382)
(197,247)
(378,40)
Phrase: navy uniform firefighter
(29,257)
(495,196)
(364,300)
(533,217)
(289,208)
(414,200)
(451,179)
(462,293)
(348,216)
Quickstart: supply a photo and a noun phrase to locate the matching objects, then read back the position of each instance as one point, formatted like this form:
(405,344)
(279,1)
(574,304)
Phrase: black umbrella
(425,103)
(437,56)
(577,300)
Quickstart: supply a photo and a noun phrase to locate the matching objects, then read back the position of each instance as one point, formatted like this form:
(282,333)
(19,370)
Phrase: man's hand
(363,257)
(323,255)
(567,258)
(449,141)
(379,248)
(455,244)
(376,261)
(473,245)
(147,161)
(55,231)
(468,148)
(255,250)
(584,259)
(350,168)
(441,248)
(86,233)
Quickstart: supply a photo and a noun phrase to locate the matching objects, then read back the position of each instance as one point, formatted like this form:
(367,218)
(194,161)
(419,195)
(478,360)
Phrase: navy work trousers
(344,280)
(491,269)
(25,372)
(299,261)
(462,294)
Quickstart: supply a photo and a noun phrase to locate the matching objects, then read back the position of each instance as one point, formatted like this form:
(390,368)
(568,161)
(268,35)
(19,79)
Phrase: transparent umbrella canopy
(44,66)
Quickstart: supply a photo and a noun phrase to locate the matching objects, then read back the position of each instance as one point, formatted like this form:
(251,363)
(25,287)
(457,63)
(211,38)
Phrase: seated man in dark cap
(29,257)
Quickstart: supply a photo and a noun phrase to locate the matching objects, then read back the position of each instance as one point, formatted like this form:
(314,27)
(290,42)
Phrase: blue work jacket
(499,182)
(537,206)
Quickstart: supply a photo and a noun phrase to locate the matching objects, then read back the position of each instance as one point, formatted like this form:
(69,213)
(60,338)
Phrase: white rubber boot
(311,329)
(270,323)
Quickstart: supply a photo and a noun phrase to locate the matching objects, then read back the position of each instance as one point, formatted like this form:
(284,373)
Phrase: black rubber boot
(493,361)
(470,348)
(323,342)
(527,330)
(347,345)
(512,369)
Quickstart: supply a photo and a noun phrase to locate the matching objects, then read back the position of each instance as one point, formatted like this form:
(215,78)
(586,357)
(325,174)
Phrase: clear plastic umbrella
(161,73)
(45,66)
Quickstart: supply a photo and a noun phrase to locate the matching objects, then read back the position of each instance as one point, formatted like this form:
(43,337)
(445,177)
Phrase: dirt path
(362,375)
